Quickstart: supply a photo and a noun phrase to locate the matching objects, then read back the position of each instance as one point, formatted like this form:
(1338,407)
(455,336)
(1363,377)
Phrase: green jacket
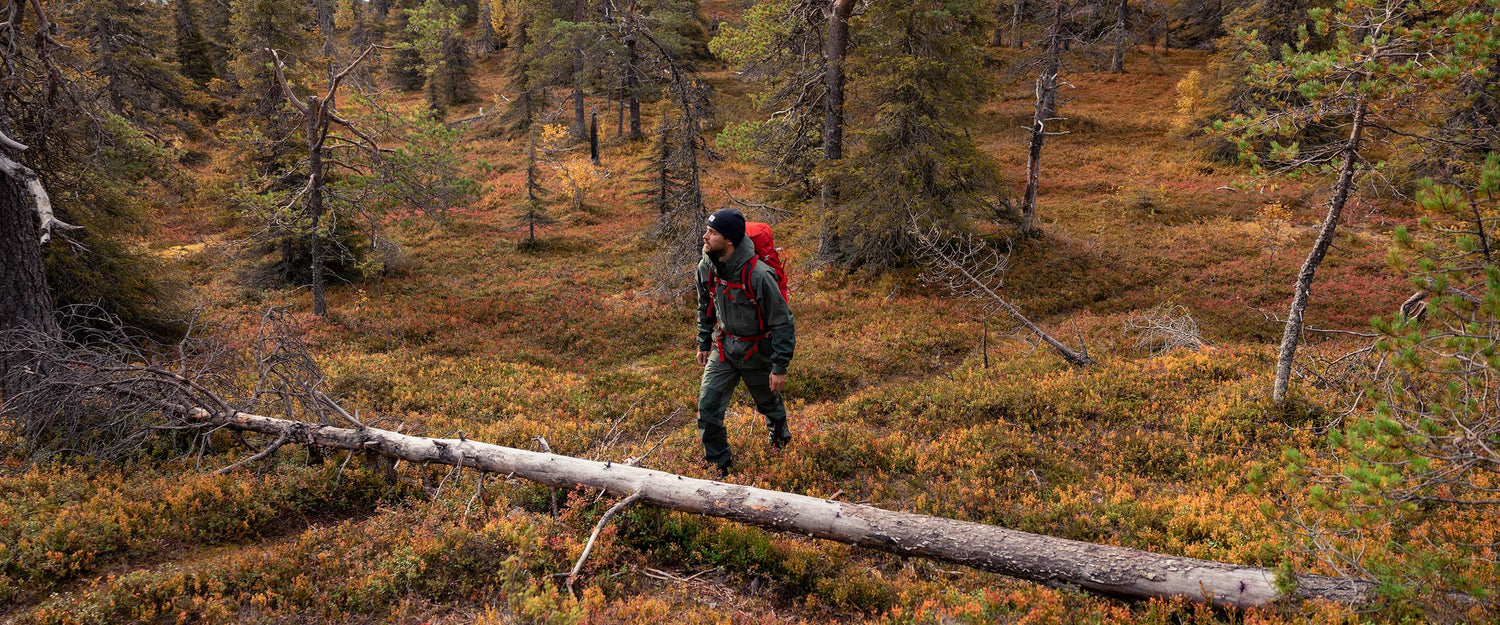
(733,312)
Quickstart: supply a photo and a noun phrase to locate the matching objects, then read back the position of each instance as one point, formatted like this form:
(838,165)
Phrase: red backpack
(765,250)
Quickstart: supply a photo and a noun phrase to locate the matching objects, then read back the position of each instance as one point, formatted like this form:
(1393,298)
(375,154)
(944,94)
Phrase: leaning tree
(1334,112)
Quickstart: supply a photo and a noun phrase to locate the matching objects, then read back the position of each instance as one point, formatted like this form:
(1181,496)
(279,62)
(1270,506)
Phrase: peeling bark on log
(1104,569)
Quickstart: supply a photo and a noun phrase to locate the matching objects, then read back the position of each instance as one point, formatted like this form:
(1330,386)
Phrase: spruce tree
(194,54)
(924,79)
(533,214)
(258,25)
(124,39)
(444,64)
(405,71)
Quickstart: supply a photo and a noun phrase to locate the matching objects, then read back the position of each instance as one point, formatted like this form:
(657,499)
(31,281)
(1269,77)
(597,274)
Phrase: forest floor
(890,404)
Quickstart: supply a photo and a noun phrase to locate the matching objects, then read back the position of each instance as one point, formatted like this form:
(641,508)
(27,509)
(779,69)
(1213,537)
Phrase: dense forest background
(1203,278)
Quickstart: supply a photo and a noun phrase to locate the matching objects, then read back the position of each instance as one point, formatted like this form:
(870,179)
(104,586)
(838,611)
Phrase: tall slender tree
(836,52)
(193,49)
(1042,118)
(1336,107)
(1121,35)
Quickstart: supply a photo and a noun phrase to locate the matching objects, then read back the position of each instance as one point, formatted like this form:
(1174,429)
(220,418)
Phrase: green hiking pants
(719,380)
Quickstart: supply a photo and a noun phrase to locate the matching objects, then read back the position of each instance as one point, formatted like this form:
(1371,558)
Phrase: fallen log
(1104,569)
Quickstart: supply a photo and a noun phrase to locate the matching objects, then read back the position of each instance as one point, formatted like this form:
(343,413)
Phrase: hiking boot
(779,444)
(723,470)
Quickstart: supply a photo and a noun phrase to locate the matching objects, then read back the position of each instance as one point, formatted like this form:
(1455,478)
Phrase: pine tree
(1328,112)
(779,45)
(1259,31)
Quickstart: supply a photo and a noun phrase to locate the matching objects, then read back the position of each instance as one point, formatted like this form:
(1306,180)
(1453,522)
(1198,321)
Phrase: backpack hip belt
(753,339)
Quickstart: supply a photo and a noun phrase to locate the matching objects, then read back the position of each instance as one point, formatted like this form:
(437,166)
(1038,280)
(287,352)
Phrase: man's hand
(702,358)
(778,380)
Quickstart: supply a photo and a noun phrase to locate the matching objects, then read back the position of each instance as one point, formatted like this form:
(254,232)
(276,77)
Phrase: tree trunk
(1293,332)
(632,84)
(997,38)
(1117,61)
(1018,9)
(315,200)
(835,52)
(360,38)
(578,127)
(25,302)
(594,138)
(24,299)
(1046,99)
(324,10)
(1115,571)
(664,169)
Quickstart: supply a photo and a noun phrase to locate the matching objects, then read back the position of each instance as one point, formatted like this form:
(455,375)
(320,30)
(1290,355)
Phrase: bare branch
(265,453)
(286,88)
(599,527)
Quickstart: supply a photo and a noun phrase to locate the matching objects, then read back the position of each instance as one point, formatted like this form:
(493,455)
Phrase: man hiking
(744,331)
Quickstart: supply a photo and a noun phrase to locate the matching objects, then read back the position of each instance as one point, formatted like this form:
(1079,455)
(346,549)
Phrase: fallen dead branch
(1104,569)
(134,394)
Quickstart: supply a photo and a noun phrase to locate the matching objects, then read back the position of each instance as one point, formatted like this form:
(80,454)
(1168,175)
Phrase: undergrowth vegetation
(891,403)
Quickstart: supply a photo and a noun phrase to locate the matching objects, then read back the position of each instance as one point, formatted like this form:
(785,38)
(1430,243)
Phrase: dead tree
(1116,571)
(1046,105)
(969,268)
(594,138)
(142,393)
(1117,59)
(319,115)
(677,162)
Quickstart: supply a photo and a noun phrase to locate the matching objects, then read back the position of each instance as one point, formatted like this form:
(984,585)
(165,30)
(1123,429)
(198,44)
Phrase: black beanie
(730,223)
